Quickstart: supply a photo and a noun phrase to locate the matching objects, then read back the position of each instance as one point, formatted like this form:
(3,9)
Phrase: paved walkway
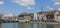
(46,22)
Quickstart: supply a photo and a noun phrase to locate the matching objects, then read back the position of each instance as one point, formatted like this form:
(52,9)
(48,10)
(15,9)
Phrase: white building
(35,16)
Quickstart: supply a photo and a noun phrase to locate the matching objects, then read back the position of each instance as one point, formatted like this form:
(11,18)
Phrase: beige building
(52,16)
(48,16)
(24,16)
(43,16)
(57,16)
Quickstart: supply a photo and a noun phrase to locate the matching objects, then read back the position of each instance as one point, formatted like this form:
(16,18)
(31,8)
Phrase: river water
(28,25)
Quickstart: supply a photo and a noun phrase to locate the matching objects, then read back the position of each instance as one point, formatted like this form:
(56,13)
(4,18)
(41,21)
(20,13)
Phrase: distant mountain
(9,15)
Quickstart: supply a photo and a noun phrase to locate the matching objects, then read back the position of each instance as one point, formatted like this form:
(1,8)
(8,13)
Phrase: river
(28,25)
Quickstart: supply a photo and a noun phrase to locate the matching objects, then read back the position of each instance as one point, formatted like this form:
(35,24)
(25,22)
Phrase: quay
(46,22)
(27,21)
(7,21)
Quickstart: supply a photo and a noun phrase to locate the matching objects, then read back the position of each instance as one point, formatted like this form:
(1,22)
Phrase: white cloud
(59,9)
(57,3)
(25,2)
(50,8)
(55,0)
(30,8)
(1,2)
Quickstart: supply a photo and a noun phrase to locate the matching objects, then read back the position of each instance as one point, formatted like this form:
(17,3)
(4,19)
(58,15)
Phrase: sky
(30,6)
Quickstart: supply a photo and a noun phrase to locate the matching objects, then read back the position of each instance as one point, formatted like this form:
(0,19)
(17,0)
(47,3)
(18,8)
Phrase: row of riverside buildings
(49,16)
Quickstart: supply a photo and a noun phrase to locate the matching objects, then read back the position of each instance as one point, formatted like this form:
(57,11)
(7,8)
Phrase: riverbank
(46,22)
(30,22)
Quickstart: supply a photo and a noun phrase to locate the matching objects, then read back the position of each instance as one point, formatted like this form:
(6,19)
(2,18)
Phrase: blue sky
(18,6)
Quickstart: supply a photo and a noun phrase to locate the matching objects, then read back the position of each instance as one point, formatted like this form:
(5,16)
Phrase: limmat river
(28,25)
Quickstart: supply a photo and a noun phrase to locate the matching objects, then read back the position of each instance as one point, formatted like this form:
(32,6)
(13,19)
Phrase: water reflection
(49,26)
(28,25)
(0,25)
(57,26)
(8,25)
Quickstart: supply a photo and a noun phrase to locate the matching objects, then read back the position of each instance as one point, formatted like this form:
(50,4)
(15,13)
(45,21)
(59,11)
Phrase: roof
(23,14)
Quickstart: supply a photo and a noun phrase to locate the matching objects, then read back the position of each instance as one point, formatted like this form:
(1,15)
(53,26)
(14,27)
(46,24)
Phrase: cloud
(57,3)
(29,8)
(55,0)
(1,2)
(25,2)
(49,8)
(59,9)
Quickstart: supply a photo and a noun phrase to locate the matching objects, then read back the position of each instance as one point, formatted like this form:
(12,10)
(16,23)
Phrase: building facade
(24,16)
(57,16)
